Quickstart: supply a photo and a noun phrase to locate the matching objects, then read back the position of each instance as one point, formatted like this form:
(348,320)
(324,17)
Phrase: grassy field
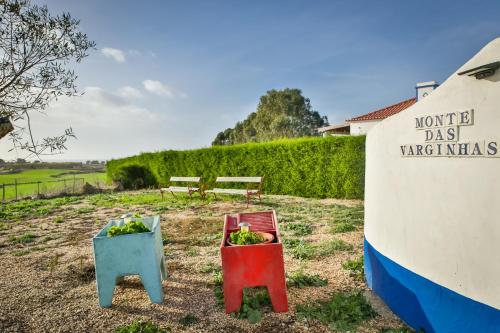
(48,276)
(47,179)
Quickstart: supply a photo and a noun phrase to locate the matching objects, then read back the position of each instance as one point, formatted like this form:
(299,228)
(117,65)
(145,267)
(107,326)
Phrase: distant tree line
(280,114)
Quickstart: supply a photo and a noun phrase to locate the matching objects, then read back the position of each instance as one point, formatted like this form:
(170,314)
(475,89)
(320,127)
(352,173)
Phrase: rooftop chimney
(425,88)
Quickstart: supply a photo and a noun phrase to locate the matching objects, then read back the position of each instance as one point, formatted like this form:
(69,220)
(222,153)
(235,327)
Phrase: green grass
(23,239)
(299,229)
(254,299)
(303,250)
(142,327)
(343,312)
(58,219)
(397,330)
(343,227)
(300,279)
(355,268)
(44,176)
(188,320)
(34,208)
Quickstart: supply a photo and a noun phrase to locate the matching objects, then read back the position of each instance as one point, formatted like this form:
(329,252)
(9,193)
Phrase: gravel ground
(48,285)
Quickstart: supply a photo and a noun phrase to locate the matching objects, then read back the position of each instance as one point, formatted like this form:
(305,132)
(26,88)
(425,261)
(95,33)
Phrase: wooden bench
(193,185)
(248,192)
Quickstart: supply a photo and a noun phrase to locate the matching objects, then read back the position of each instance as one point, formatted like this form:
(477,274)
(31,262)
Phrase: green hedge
(309,167)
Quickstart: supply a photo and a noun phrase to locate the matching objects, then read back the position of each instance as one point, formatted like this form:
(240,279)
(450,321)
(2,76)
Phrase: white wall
(439,216)
(362,127)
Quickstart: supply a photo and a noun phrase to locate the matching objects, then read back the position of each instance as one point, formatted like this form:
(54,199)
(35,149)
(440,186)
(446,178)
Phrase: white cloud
(161,89)
(116,54)
(130,92)
(106,125)
(158,88)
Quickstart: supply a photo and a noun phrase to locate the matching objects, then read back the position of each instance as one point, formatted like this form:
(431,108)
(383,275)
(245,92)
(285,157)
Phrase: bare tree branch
(36,51)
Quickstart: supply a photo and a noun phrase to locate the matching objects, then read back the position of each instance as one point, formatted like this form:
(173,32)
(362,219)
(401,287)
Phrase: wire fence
(18,189)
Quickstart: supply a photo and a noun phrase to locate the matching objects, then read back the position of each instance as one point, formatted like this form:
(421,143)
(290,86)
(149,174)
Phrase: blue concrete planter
(132,254)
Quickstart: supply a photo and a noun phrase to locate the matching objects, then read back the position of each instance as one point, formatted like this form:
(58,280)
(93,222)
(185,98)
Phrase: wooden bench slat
(179,189)
(185,179)
(231,191)
(239,179)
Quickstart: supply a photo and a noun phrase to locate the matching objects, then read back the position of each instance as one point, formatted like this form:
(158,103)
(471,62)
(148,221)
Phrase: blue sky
(171,74)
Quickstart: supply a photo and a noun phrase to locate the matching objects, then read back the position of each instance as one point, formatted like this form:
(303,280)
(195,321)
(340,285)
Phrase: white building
(360,125)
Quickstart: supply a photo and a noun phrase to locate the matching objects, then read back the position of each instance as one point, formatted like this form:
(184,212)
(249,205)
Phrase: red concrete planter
(246,266)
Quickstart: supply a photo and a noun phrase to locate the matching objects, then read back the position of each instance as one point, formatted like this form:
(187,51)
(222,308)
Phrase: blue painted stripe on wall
(423,304)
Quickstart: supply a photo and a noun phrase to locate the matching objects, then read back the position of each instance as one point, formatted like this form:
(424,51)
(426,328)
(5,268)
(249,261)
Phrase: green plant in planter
(132,227)
(245,238)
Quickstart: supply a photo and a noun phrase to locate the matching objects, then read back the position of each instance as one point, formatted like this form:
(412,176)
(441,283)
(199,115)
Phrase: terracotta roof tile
(386,112)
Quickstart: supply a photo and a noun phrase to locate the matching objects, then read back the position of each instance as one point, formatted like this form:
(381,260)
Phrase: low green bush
(308,167)
(133,176)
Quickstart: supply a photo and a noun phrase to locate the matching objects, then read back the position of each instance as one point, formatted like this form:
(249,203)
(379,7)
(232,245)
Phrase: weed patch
(58,219)
(299,229)
(253,301)
(343,227)
(304,251)
(23,239)
(300,279)
(335,245)
(352,215)
(343,312)
(398,330)
(142,327)
(355,268)
(188,320)
(210,268)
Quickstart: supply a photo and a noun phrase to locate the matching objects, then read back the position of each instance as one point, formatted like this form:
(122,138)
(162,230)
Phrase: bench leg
(162,197)
(260,200)
(173,194)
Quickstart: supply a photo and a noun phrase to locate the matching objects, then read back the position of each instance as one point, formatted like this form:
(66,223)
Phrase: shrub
(343,312)
(308,167)
(133,176)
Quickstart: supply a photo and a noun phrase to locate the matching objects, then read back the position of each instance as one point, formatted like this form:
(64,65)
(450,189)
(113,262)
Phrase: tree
(280,114)
(36,49)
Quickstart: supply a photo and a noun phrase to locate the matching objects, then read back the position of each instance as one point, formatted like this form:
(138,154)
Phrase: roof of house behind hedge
(387,111)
